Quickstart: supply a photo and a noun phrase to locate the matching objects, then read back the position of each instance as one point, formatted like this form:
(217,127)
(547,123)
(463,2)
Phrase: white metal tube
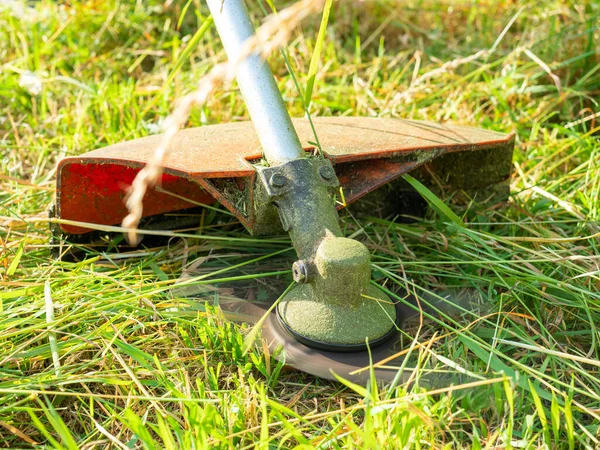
(271,120)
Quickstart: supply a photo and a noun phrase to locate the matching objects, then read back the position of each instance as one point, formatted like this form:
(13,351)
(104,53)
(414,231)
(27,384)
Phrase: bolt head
(300,271)
(278,180)
(326,172)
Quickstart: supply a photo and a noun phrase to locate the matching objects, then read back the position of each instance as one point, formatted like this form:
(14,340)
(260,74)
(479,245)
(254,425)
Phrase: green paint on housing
(344,271)
(339,306)
(331,307)
(314,318)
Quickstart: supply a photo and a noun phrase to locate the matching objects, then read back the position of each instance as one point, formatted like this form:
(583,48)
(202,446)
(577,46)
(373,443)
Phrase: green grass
(142,366)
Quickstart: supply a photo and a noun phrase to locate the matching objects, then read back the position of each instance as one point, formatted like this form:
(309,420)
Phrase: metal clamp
(302,192)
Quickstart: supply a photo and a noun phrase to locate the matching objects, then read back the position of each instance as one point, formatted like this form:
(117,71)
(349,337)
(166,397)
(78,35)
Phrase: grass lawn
(132,361)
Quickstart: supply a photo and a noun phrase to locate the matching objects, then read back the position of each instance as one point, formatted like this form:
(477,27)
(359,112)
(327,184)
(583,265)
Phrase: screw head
(278,180)
(300,271)
(326,172)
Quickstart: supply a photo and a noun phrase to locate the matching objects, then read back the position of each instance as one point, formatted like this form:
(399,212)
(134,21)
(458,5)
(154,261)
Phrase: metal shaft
(271,120)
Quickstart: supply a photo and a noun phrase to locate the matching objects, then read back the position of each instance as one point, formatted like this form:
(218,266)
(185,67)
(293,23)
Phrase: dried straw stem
(274,33)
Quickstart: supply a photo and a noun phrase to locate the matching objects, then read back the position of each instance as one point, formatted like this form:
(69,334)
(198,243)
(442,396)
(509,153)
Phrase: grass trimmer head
(274,180)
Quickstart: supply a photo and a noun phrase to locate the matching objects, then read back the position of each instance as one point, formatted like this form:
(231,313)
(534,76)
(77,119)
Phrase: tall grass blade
(316,56)
(183,57)
(436,203)
(51,334)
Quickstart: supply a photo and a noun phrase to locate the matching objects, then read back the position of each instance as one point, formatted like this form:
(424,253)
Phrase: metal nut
(300,271)
(326,172)
(278,180)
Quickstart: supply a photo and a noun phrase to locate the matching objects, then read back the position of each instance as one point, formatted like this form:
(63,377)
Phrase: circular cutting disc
(353,366)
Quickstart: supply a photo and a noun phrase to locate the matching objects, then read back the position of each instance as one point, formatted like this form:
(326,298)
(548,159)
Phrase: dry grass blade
(51,334)
(273,34)
(18,433)
(109,436)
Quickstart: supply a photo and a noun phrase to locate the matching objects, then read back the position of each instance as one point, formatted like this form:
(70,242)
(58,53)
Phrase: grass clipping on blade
(273,34)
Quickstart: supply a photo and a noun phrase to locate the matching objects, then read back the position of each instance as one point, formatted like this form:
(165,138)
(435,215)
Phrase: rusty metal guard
(216,163)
